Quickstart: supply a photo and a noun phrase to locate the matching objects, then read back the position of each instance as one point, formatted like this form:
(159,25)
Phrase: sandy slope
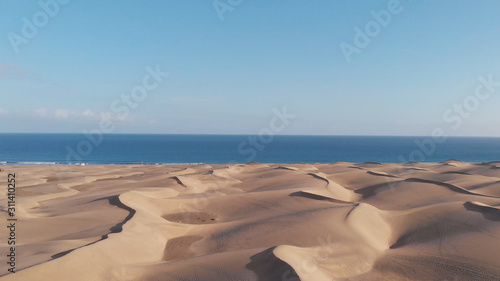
(339,221)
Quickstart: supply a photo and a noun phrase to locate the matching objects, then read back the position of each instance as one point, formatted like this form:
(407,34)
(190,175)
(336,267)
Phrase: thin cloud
(58,113)
(88,113)
(8,71)
(41,112)
(107,115)
(73,115)
(62,113)
(195,99)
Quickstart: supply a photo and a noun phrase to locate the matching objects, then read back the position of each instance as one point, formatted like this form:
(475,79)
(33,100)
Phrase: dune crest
(294,222)
(333,190)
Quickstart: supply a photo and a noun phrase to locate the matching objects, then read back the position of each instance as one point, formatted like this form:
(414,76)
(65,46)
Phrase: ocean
(227,149)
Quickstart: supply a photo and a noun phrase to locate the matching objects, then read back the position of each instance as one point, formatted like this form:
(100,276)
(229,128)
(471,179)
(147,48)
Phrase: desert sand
(309,222)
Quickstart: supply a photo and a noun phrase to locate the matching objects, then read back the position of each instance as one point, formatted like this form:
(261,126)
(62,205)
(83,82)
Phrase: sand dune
(332,190)
(341,221)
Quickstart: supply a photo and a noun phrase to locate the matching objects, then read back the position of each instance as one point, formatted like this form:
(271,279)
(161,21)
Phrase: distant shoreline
(228,164)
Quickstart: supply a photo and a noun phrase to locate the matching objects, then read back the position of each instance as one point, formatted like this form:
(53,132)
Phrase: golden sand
(308,222)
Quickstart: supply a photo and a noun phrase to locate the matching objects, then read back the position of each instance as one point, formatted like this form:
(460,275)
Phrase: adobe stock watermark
(223,6)
(252,145)
(363,36)
(31,26)
(277,124)
(121,107)
(454,117)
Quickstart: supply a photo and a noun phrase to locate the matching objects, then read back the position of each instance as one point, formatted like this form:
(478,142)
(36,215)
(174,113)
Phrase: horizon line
(242,134)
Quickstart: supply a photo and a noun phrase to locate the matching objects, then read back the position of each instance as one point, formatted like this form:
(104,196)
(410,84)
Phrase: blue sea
(226,149)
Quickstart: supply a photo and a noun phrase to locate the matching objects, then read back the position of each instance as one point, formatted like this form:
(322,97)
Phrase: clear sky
(64,67)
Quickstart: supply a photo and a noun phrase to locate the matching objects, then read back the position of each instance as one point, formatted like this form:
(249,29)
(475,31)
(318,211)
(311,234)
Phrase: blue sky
(227,74)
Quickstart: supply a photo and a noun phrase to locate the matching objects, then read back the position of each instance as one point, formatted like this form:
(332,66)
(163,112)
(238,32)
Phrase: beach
(309,222)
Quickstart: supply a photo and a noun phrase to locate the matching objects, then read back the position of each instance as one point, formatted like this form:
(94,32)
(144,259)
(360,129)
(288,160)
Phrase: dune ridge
(308,222)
